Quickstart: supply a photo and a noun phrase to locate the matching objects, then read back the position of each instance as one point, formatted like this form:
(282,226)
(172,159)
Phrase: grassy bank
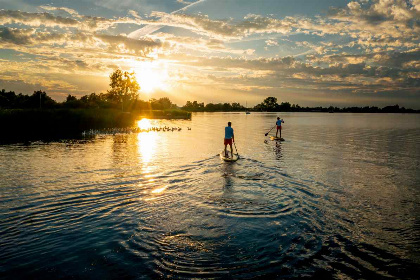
(33,124)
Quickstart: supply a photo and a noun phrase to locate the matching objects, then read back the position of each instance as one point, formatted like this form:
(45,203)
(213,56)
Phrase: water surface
(338,199)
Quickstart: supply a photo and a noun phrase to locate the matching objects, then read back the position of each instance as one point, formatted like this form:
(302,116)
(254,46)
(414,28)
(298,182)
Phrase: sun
(151,75)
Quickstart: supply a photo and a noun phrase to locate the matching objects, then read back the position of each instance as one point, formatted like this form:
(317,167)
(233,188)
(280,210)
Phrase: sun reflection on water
(159,190)
(147,145)
(144,124)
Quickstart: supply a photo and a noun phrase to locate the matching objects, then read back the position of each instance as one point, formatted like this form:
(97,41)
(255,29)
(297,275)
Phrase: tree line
(270,104)
(109,100)
(41,100)
(211,107)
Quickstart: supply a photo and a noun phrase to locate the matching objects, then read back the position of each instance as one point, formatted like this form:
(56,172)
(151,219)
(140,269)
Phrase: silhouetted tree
(124,87)
(40,99)
(165,103)
(269,104)
(391,109)
(71,98)
(193,106)
(284,106)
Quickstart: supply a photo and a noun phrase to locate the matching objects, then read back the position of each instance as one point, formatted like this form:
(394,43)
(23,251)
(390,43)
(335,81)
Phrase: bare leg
(225,150)
(231,151)
(280,133)
(277,131)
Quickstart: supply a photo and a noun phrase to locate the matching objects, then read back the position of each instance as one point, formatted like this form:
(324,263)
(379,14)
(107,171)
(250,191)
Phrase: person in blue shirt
(278,123)
(229,137)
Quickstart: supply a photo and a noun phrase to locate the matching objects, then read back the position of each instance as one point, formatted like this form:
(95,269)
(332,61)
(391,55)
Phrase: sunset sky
(310,52)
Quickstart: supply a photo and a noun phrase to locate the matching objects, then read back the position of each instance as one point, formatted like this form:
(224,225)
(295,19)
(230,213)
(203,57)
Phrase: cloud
(124,44)
(276,72)
(362,48)
(49,20)
(399,59)
(222,29)
(28,36)
(271,43)
(392,18)
(178,43)
(381,24)
(66,10)
(35,19)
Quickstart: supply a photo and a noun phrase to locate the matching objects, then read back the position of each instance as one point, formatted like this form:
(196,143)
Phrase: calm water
(338,199)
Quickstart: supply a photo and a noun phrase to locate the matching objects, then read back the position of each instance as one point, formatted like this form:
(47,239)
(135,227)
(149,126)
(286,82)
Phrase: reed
(36,124)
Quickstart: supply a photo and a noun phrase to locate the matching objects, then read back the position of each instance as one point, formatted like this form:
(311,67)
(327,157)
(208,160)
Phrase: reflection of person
(229,137)
(278,123)
(277,150)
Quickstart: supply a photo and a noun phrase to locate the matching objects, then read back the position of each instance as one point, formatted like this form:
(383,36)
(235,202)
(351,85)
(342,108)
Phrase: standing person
(229,137)
(278,123)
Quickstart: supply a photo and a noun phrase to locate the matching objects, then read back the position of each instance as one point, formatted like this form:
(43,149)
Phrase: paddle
(235,149)
(270,130)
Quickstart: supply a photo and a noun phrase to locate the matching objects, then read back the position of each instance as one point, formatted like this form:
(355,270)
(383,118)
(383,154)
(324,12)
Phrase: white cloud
(271,43)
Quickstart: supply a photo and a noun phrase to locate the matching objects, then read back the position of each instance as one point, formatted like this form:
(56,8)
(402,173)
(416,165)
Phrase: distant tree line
(111,100)
(270,104)
(40,99)
(211,107)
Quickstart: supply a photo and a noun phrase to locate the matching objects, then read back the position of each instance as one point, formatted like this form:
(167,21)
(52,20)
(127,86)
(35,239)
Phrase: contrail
(152,28)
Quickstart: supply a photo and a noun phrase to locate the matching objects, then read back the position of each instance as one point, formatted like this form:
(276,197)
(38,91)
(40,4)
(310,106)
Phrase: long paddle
(235,149)
(270,130)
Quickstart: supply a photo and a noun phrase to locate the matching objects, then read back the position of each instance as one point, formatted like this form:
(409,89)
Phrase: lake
(339,198)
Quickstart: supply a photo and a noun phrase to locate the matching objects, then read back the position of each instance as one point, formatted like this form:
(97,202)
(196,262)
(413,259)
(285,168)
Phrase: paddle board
(228,158)
(276,138)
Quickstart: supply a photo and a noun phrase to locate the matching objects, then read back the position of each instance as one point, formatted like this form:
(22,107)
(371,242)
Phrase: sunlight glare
(151,76)
(159,190)
(147,145)
(144,124)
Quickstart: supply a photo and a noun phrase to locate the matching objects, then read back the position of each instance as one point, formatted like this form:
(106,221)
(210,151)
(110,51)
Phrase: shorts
(279,127)
(228,141)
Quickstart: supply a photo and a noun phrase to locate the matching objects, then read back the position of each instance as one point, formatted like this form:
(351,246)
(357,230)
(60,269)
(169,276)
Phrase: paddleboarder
(229,138)
(278,123)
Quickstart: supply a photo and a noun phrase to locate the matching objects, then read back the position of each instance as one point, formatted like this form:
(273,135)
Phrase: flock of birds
(124,130)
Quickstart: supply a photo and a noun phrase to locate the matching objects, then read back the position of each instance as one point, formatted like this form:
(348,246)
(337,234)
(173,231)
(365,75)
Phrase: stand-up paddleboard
(228,158)
(276,138)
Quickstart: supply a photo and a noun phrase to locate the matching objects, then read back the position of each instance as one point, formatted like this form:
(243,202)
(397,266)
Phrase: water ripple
(336,202)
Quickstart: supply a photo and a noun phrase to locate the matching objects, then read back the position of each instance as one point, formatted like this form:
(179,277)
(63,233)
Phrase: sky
(307,52)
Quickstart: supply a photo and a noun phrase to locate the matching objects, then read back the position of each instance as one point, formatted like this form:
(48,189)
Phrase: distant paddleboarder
(278,123)
(229,137)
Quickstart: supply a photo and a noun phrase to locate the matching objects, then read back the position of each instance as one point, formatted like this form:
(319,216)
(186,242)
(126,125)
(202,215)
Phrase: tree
(71,98)
(194,106)
(72,102)
(7,99)
(269,104)
(40,99)
(237,107)
(124,87)
(165,102)
(285,106)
